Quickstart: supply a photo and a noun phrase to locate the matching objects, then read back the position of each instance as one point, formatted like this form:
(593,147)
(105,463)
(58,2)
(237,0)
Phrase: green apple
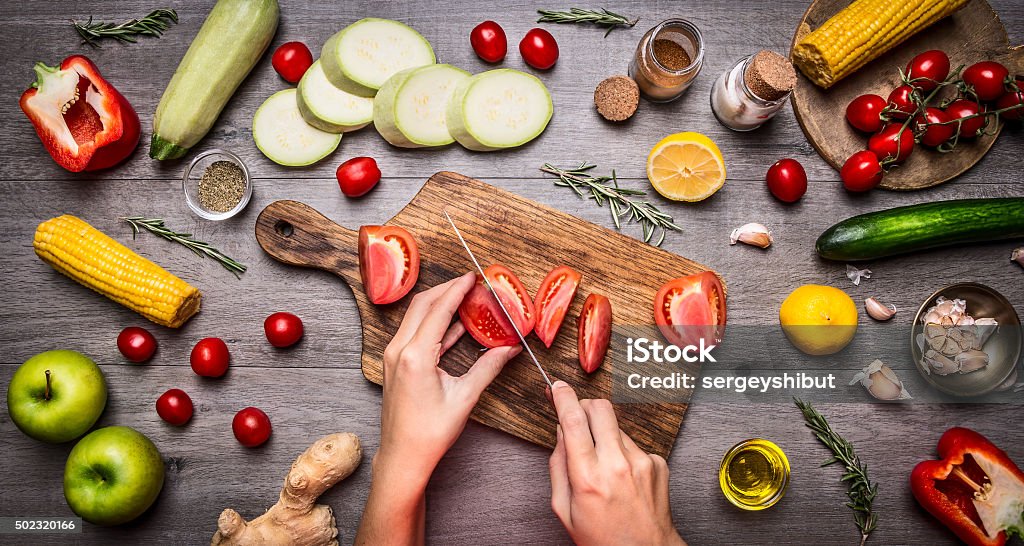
(56,396)
(113,475)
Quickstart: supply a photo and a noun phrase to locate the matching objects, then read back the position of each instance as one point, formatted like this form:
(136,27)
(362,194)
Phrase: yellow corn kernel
(863,31)
(93,259)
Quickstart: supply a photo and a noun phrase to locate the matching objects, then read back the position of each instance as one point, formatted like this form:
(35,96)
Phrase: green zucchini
(919,227)
(231,40)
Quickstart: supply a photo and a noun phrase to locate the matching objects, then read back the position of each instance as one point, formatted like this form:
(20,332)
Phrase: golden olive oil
(754,474)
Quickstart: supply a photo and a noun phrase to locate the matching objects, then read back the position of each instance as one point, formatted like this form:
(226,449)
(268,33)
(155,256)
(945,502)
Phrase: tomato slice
(553,300)
(482,316)
(690,308)
(389,262)
(595,331)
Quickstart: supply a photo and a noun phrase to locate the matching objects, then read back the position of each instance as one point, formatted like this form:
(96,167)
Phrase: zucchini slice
(284,137)
(498,109)
(328,108)
(362,56)
(409,110)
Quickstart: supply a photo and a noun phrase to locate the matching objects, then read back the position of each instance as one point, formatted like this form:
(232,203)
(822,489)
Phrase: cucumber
(231,40)
(409,110)
(284,137)
(919,227)
(362,56)
(498,109)
(328,108)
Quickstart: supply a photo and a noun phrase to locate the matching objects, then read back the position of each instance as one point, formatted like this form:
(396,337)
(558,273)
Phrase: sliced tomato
(482,316)
(595,331)
(553,300)
(690,308)
(389,262)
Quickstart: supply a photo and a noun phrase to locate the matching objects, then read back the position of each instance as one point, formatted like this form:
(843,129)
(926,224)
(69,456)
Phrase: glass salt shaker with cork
(753,90)
(667,59)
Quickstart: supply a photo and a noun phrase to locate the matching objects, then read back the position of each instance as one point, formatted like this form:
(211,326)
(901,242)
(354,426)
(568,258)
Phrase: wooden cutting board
(529,238)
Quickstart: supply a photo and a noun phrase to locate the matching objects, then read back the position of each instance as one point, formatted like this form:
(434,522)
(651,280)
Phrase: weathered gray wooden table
(491,488)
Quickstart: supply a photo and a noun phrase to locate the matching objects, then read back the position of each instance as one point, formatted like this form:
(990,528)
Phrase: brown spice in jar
(770,76)
(670,54)
(616,98)
(221,186)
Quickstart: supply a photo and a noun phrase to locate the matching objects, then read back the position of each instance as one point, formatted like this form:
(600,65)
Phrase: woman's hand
(604,488)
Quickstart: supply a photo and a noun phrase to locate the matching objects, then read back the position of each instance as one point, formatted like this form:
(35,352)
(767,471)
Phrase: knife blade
(480,270)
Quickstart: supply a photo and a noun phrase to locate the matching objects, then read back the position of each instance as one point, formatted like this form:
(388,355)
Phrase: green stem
(46,393)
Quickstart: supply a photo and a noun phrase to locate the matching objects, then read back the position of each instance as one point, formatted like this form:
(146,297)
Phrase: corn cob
(863,31)
(93,259)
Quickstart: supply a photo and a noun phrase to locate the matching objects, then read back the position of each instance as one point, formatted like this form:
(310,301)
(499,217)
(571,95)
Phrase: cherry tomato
(291,60)
(489,42)
(864,113)
(901,102)
(962,108)
(935,135)
(539,49)
(482,316)
(595,332)
(210,357)
(358,176)
(890,143)
(283,329)
(787,180)
(987,79)
(928,69)
(861,172)
(553,300)
(1013,98)
(251,427)
(136,344)
(175,407)
(690,309)
(389,262)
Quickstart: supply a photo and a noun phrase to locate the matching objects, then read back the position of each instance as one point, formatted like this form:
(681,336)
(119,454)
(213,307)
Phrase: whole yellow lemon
(818,320)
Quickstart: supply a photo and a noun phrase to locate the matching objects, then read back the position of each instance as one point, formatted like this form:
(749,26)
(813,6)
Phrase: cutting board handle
(297,234)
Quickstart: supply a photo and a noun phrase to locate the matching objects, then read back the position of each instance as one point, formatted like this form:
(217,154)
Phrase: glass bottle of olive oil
(754,474)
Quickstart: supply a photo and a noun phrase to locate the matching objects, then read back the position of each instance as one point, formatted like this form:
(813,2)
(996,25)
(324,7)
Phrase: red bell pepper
(81,119)
(975,489)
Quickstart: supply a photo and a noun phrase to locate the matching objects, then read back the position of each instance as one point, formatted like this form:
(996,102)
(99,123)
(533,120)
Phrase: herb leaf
(153,24)
(201,249)
(600,17)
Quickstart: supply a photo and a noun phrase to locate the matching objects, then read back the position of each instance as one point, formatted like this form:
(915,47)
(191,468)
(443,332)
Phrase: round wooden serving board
(970,35)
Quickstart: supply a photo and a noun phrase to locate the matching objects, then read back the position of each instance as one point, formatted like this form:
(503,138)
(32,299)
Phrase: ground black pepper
(221,186)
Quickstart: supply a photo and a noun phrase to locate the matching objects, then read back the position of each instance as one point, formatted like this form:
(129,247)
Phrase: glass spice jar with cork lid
(667,60)
(753,90)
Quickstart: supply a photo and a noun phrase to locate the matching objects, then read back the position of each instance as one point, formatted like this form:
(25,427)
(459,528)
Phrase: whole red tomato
(861,172)
(251,427)
(963,108)
(864,113)
(986,79)
(358,176)
(283,329)
(210,357)
(928,69)
(893,143)
(136,344)
(488,41)
(901,102)
(1011,99)
(936,130)
(787,180)
(539,49)
(175,407)
(291,60)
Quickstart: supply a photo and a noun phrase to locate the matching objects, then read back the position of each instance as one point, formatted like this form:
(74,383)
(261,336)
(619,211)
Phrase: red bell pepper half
(975,489)
(81,119)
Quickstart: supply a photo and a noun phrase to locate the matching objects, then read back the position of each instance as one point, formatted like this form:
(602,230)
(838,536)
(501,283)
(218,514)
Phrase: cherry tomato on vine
(963,108)
(928,69)
(893,142)
(787,180)
(358,176)
(251,427)
(861,172)
(175,407)
(935,134)
(489,42)
(1013,98)
(291,60)
(283,329)
(539,49)
(901,102)
(987,79)
(136,344)
(864,113)
(210,357)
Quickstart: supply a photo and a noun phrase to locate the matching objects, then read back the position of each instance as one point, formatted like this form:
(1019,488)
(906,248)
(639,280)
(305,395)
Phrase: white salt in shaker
(753,90)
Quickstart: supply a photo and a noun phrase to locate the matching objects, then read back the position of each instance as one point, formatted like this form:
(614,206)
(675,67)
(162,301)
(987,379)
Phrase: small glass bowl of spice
(753,90)
(217,185)
(667,60)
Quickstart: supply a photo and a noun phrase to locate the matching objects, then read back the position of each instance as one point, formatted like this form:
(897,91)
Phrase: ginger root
(296,518)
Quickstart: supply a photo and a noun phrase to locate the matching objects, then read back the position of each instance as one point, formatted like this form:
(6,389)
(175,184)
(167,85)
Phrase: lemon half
(686,167)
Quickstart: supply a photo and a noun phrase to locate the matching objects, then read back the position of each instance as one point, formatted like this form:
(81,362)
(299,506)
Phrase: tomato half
(690,308)
(553,300)
(389,262)
(595,332)
(482,316)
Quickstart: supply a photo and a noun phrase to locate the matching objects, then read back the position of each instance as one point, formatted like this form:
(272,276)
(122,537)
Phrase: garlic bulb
(881,382)
(752,234)
(878,310)
(952,340)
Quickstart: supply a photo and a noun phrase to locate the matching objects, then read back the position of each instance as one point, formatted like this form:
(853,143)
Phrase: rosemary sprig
(600,17)
(201,249)
(860,489)
(153,24)
(582,182)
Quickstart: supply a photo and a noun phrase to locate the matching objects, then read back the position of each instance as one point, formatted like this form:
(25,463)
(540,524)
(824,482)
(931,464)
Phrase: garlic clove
(939,363)
(752,234)
(881,382)
(878,310)
(1018,255)
(971,361)
(856,275)
(983,329)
